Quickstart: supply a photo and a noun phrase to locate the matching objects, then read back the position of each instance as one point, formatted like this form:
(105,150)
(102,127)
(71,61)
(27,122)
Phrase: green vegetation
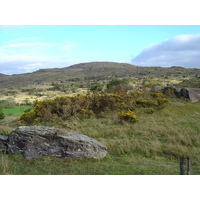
(8,103)
(1,113)
(95,104)
(17,110)
(96,87)
(117,85)
(128,116)
(145,132)
(82,74)
(191,83)
(150,146)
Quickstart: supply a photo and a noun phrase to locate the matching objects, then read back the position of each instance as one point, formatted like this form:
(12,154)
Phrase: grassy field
(17,110)
(153,145)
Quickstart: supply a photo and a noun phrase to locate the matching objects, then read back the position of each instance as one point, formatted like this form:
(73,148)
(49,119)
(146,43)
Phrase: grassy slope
(151,146)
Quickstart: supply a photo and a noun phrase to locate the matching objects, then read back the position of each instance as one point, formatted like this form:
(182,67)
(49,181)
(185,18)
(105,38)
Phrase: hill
(93,71)
(3,75)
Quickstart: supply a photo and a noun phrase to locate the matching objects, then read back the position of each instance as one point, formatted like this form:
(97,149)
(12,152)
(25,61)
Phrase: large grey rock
(193,94)
(3,143)
(35,141)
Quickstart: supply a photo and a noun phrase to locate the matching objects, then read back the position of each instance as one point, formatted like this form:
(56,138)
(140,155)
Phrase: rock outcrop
(193,94)
(35,141)
(3,143)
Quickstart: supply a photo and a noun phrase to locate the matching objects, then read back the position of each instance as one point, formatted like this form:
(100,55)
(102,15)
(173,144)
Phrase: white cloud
(21,56)
(67,47)
(181,50)
(24,39)
(16,64)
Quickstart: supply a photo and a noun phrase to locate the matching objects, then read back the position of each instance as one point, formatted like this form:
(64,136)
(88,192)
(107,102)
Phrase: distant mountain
(93,71)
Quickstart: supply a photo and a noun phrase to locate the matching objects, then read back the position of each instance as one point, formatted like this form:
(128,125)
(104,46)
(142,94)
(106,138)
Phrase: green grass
(16,164)
(153,145)
(17,110)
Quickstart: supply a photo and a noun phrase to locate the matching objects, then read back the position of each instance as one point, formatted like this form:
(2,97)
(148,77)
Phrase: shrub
(157,95)
(2,116)
(87,113)
(162,101)
(168,91)
(28,117)
(96,87)
(117,85)
(89,105)
(145,102)
(128,116)
(149,110)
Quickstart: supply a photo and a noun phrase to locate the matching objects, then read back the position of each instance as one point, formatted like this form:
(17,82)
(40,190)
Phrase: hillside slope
(93,71)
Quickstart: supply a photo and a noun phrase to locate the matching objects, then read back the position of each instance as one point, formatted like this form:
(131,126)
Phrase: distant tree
(117,85)
(97,87)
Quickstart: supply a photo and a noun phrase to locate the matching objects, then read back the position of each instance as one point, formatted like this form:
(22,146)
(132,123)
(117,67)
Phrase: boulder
(3,143)
(193,94)
(35,141)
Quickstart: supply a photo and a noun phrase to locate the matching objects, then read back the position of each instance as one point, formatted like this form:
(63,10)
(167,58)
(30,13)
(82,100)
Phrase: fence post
(182,165)
(188,165)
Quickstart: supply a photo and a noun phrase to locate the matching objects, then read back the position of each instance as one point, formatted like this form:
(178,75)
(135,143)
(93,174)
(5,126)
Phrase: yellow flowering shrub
(157,95)
(27,117)
(145,102)
(128,116)
(162,101)
(63,108)
(87,113)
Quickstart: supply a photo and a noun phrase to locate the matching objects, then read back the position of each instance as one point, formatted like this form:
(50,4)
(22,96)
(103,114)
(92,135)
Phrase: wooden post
(182,165)
(188,165)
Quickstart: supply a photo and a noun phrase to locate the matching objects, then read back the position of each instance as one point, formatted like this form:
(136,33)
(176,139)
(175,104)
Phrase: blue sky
(27,48)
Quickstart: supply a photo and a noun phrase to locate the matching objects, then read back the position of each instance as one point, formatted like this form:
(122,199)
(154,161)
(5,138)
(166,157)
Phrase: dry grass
(156,139)
(171,132)
(22,97)
(5,129)
(4,165)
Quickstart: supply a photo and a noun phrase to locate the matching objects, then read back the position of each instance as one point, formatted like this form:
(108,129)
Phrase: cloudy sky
(27,48)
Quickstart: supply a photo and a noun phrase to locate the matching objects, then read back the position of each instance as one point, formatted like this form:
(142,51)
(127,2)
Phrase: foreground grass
(17,165)
(153,145)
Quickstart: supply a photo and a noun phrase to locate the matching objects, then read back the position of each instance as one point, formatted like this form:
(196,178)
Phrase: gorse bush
(87,113)
(157,95)
(128,116)
(90,105)
(162,101)
(145,102)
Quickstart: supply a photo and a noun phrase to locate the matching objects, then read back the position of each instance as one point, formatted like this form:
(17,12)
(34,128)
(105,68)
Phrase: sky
(27,48)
